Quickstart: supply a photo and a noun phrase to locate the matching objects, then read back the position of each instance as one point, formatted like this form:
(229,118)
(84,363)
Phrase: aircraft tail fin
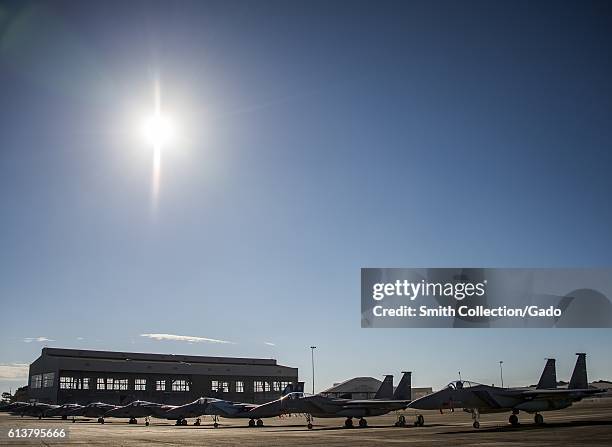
(385,391)
(293,387)
(404,388)
(579,376)
(548,379)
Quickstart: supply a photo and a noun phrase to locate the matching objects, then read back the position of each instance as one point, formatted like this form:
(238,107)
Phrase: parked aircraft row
(471,397)
(385,401)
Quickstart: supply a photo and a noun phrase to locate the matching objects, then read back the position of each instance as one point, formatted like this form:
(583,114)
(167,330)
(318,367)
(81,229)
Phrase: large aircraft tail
(293,388)
(548,379)
(579,376)
(385,391)
(404,389)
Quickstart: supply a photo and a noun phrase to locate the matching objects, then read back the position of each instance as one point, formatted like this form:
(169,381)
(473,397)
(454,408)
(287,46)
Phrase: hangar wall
(85,376)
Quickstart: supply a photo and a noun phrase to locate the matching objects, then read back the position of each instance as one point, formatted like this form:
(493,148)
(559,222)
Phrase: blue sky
(315,139)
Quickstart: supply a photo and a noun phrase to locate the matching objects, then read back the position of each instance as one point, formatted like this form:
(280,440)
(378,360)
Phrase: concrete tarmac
(585,423)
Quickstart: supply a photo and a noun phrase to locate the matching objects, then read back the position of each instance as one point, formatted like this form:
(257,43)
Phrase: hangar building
(84,376)
(365,388)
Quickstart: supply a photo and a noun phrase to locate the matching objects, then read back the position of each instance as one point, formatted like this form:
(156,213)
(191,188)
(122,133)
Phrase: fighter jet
(235,410)
(139,409)
(36,409)
(193,409)
(328,407)
(13,406)
(475,398)
(93,410)
(62,410)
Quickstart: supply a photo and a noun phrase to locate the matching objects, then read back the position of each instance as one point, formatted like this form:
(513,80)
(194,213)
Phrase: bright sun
(158,130)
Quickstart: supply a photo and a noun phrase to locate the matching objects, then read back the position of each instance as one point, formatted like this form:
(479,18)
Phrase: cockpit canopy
(295,395)
(460,384)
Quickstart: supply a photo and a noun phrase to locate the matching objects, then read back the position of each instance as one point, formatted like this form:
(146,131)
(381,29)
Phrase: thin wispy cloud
(80,338)
(269,343)
(14,371)
(187,338)
(38,339)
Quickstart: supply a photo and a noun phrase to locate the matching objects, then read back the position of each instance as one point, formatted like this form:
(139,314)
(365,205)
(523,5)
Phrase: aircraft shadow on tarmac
(527,427)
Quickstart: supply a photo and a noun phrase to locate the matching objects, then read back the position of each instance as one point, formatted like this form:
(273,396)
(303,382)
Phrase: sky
(312,139)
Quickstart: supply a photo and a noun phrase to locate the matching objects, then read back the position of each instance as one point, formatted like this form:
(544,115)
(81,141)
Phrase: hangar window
(116,384)
(259,386)
(180,385)
(219,385)
(48,380)
(280,386)
(101,384)
(36,381)
(140,384)
(160,385)
(85,383)
(68,383)
(266,386)
(240,387)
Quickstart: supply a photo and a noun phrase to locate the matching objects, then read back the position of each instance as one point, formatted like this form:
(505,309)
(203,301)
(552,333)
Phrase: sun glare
(158,130)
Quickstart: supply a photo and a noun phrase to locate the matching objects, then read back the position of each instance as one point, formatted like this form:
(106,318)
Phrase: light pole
(459,376)
(312,348)
(501,372)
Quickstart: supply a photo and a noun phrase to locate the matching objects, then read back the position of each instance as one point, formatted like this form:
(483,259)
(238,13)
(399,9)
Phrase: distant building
(83,376)
(603,384)
(364,388)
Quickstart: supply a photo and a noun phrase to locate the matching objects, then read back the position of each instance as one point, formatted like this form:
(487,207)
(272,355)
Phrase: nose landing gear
(476,417)
(309,420)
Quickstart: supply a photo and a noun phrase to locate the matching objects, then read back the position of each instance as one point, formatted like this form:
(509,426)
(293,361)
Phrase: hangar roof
(135,362)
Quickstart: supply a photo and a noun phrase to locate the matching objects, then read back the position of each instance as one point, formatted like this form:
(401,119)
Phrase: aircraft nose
(429,402)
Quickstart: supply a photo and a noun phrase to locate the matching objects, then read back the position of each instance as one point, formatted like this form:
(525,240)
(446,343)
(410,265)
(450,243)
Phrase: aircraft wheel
(539,419)
(348,423)
(197,421)
(476,424)
(260,423)
(64,418)
(513,419)
(252,423)
(420,421)
(100,420)
(133,421)
(309,426)
(147,423)
(216,425)
(184,422)
(363,423)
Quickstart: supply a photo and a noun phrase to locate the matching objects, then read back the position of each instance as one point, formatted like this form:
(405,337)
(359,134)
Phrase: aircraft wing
(561,393)
(374,403)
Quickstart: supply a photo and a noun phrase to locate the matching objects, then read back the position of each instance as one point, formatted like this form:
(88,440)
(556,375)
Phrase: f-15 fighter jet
(475,398)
